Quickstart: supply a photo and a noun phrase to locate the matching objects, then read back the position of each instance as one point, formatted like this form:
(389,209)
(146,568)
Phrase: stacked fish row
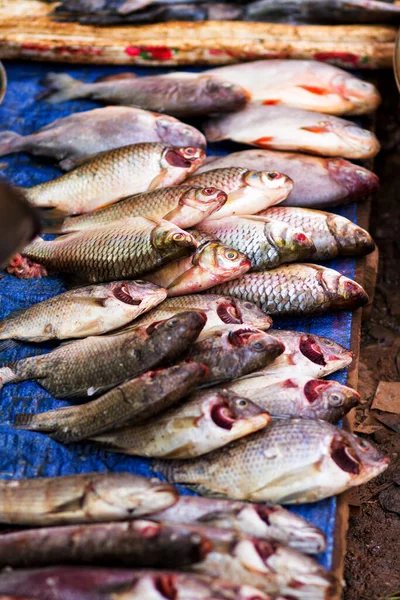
(228,406)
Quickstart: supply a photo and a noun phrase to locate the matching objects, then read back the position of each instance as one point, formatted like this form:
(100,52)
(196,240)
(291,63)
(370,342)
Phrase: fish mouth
(166,586)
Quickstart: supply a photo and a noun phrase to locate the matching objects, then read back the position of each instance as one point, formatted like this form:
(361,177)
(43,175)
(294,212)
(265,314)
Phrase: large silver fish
(81,312)
(82,134)
(283,128)
(82,498)
(292,461)
(297,289)
(319,182)
(332,234)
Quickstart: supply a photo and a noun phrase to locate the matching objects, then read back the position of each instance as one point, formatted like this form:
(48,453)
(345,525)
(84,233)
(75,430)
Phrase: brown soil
(372,568)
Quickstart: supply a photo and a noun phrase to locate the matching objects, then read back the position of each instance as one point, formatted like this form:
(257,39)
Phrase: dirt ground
(372,568)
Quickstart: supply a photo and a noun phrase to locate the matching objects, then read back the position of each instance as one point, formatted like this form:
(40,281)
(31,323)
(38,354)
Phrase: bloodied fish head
(324,352)
(290,243)
(357,457)
(330,400)
(237,312)
(363,96)
(169,239)
(140,294)
(227,410)
(356,180)
(346,293)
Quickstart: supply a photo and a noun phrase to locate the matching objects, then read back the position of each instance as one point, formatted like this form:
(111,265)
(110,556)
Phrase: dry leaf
(387,397)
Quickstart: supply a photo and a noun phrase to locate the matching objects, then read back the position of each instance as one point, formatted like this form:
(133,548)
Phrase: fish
(102,362)
(82,312)
(135,400)
(91,583)
(180,95)
(248,191)
(304,84)
(211,264)
(138,543)
(125,249)
(292,461)
(108,176)
(206,421)
(79,135)
(223,313)
(297,289)
(267,243)
(332,234)
(183,205)
(284,128)
(83,498)
(266,521)
(320,182)
(235,353)
(298,396)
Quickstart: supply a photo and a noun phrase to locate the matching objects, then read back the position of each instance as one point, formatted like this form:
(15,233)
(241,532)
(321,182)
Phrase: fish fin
(263,141)
(70,506)
(313,89)
(6,345)
(287,479)
(60,87)
(271,102)
(79,162)
(315,129)
(116,77)
(10,142)
(157,181)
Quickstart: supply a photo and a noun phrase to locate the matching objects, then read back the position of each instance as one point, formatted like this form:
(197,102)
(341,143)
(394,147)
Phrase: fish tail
(60,87)
(7,344)
(51,421)
(10,142)
(8,375)
(32,423)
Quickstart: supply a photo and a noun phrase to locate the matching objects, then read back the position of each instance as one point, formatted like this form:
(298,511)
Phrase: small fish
(223,313)
(91,583)
(82,312)
(298,396)
(125,543)
(292,461)
(133,401)
(319,181)
(96,364)
(235,353)
(305,84)
(283,128)
(84,498)
(207,421)
(332,234)
(178,94)
(267,521)
(297,289)
(267,243)
(121,250)
(249,192)
(184,206)
(211,264)
(114,174)
(79,135)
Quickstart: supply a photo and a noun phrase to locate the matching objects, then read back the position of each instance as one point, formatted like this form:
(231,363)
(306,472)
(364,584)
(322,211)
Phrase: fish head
(175,133)
(185,159)
(334,399)
(195,205)
(141,294)
(360,142)
(218,91)
(235,312)
(357,457)
(169,239)
(324,352)
(351,239)
(289,242)
(229,411)
(223,262)
(184,325)
(277,185)
(355,179)
(346,293)
(363,96)
(264,348)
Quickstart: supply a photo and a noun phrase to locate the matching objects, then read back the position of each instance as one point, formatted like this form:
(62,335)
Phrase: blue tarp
(28,454)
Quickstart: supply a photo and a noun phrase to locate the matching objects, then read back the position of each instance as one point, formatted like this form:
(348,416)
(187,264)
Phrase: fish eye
(336,399)
(190,151)
(178,237)
(357,132)
(172,323)
(273,174)
(328,342)
(363,444)
(248,306)
(258,346)
(242,403)
(209,191)
(231,254)
(141,282)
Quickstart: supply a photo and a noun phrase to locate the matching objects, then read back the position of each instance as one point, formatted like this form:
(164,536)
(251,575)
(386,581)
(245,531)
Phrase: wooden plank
(28,32)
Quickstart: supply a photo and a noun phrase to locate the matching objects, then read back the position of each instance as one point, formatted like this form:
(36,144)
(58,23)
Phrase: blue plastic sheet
(27,454)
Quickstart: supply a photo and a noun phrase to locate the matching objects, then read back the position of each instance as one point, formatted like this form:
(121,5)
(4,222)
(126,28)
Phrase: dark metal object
(396,60)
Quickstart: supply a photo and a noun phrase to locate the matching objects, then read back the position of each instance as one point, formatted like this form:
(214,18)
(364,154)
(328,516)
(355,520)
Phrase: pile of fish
(228,406)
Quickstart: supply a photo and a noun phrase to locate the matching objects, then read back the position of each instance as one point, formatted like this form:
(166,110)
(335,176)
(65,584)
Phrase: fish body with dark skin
(292,461)
(180,94)
(267,243)
(211,264)
(299,396)
(133,401)
(102,362)
(332,234)
(248,191)
(305,84)
(206,421)
(121,250)
(125,543)
(267,521)
(82,312)
(184,206)
(320,182)
(84,498)
(80,135)
(283,128)
(109,176)
(297,289)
